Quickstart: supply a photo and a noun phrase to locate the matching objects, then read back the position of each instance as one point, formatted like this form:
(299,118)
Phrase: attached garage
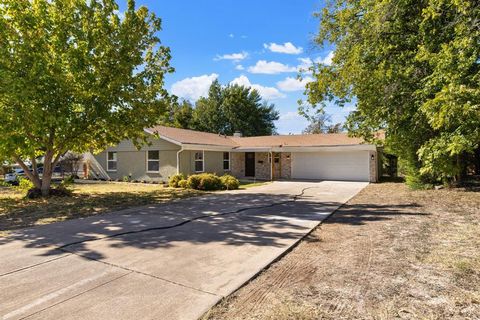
(331,165)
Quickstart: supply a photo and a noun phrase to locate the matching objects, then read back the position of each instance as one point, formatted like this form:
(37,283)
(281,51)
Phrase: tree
(234,108)
(413,67)
(321,123)
(74,76)
(179,115)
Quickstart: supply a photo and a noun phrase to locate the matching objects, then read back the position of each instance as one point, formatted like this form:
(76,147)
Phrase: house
(173,150)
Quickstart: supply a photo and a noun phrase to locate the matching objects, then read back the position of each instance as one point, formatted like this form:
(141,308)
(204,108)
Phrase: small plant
(126,179)
(69,180)
(175,179)
(229,182)
(24,184)
(183,184)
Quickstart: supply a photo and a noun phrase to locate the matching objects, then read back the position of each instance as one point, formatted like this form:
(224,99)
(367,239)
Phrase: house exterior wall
(132,163)
(374,170)
(213,162)
(237,164)
(262,165)
(286,165)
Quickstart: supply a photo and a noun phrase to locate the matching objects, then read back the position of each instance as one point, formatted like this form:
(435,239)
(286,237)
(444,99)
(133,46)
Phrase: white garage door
(350,165)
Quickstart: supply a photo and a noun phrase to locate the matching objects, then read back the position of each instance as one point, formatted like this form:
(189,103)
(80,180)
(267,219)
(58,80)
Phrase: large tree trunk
(48,167)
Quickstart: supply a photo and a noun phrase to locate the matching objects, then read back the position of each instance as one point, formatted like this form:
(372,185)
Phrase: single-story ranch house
(173,150)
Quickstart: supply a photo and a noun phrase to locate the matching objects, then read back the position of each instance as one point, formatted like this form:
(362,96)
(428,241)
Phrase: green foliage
(174,180)
(183,184)
(229,182)
(416,182)
(226,110)
(414,69)
(74,76)
(125,178)
(193,181)
(209,181)
(204,181)
(24,184)
(68,180)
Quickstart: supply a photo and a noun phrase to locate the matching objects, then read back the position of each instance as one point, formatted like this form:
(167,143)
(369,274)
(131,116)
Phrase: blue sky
(254,43)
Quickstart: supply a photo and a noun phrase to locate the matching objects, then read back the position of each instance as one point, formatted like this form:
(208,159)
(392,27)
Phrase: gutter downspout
(178,159)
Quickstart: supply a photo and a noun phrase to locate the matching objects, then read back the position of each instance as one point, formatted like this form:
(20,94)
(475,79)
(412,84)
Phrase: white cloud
(265,92)
(270,67)
(291,122)
(293,84)
(231,35)
(287,47)
(233,56)
(306,63)
(194,87)
(327,60)
(239,67)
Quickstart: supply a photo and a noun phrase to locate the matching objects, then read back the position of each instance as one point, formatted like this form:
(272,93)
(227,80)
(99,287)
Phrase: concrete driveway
(168,261)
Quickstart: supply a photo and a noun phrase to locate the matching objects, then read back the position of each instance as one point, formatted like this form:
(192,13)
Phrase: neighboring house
(173,150)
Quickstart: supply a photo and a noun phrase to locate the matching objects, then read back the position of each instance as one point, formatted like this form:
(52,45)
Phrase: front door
(249,164)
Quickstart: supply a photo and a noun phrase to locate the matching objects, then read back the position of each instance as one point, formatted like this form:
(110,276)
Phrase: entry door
(249,164)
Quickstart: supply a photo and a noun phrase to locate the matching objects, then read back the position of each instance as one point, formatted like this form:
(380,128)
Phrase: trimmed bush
(175,179)
(204,181)
(229,182)
(183,184)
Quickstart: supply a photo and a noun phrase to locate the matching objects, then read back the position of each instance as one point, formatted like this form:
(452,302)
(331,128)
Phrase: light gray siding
(133,163)
(213,162)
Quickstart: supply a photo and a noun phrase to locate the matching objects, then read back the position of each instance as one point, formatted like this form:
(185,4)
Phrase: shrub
(229,182)
(24,184)
(126,178)
(204,181)
(183,184)
(193,181)
(175,179)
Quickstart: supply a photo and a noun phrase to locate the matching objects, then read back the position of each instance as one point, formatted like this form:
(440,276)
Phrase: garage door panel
(352,166)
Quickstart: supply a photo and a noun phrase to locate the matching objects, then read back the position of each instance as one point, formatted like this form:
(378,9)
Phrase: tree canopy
(413,67)
(74,76)
(322,123)
(226,110)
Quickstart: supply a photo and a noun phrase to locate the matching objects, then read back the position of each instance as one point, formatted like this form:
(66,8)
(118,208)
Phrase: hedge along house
(305,157)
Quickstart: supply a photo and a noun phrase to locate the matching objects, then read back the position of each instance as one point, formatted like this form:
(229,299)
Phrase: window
(199,161)
(226,161)
(112,161)
(153,161)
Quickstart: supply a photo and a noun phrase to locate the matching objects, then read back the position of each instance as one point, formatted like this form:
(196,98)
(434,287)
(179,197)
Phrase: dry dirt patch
(388,253)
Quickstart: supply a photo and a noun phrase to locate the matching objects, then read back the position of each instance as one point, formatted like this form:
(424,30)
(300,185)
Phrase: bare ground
(389,253)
